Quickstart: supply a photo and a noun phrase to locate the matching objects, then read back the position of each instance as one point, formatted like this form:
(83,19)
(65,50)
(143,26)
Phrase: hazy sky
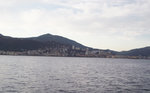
(104,24)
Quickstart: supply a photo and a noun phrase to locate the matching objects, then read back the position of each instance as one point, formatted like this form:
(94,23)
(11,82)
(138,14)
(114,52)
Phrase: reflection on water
(24,74)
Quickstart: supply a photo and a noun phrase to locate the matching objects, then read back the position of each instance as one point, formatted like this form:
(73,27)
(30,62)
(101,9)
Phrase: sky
(104,24)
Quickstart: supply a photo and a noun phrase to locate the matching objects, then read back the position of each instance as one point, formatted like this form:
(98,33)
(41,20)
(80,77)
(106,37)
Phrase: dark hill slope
(137,52)
(58,39)
(16,44)
(20,44)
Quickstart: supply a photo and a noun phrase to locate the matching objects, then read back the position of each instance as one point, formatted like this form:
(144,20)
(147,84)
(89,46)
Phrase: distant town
(70,52)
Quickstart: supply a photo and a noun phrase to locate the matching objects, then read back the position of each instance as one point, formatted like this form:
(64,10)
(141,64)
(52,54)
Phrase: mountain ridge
(61,46)
(49,37)
(145,51)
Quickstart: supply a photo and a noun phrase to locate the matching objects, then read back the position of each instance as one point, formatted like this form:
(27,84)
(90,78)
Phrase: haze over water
(22,74)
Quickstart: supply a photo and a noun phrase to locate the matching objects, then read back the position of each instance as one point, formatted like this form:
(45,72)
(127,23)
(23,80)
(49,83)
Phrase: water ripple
(21,74)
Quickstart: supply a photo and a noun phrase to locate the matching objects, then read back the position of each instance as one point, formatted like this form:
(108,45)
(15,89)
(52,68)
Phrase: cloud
(81,20)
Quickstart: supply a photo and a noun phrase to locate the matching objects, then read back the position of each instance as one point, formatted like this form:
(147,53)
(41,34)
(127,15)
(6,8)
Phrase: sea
(36,74)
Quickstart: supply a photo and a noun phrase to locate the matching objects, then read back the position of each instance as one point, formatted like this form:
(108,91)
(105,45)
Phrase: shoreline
(78,57)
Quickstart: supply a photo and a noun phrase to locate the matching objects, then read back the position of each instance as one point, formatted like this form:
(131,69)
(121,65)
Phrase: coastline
(79,57)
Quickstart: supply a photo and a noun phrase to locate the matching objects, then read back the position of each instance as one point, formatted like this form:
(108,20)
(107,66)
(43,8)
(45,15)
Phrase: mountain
(55,45)
(137,52)
(16,44)
(44,45)
(20,44)
(59,39)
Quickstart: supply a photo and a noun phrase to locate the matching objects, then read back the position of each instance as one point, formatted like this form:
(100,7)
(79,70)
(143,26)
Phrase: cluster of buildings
(69,51)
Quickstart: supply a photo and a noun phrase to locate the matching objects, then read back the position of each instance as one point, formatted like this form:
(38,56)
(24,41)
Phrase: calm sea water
(27,74)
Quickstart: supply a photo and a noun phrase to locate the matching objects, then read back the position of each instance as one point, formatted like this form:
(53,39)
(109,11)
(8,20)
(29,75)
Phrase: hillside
(59,39)
(21,44)
(137,52)
(55,45)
